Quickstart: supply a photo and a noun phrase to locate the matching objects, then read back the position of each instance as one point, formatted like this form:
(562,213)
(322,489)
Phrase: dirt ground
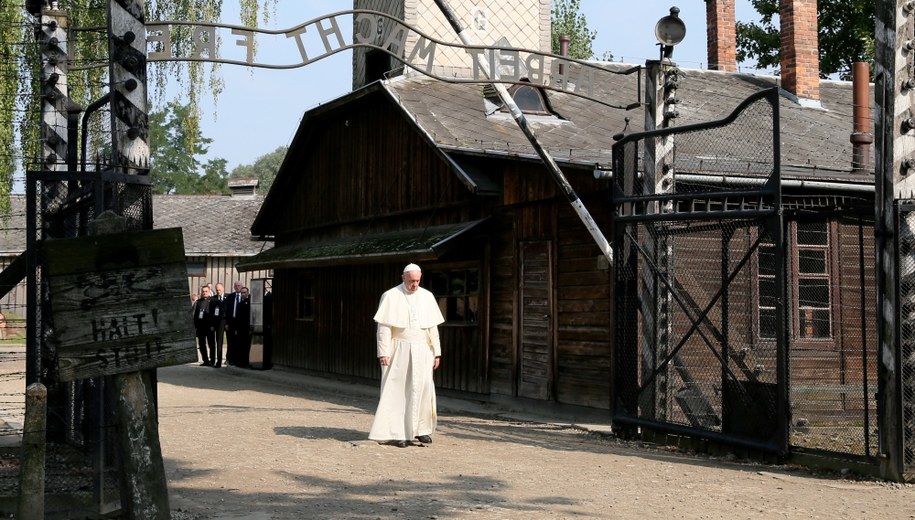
(250,445)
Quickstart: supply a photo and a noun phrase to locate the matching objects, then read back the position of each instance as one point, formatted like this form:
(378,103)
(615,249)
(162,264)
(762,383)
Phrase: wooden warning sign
(119,302)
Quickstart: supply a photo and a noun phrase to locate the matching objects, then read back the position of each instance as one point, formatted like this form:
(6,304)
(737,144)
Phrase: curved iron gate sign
(383,32)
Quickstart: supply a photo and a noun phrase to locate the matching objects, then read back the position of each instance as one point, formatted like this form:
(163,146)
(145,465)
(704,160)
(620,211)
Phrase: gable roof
(814,139)
(456,120)
(213,225)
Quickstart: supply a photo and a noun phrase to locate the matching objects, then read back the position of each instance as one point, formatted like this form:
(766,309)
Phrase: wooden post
(144,494)
(894,176)
(144,490)
(31,473)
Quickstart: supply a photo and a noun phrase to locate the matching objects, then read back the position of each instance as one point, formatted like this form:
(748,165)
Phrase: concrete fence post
(31,472)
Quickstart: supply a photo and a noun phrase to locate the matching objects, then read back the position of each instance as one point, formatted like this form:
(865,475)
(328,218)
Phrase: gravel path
(248,445)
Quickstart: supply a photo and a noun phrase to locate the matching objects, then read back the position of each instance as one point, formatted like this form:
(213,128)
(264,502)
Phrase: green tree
(568,20)
(173,155)
(20,72)
(215,179)
(264,169)
(846,35)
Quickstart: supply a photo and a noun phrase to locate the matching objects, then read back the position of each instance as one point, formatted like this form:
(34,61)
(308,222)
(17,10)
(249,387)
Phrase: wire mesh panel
(699,274)
(833,347)
(906,332)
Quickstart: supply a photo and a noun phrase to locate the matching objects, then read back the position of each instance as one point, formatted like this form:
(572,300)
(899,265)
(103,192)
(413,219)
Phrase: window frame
(829,276)
(448,301)
(305,297)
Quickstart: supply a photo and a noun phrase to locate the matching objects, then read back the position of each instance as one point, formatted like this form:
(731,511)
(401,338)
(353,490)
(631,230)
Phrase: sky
(260,109)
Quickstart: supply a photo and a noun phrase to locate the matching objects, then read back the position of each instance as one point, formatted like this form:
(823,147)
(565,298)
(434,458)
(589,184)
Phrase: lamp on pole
(670,31)
(662,79)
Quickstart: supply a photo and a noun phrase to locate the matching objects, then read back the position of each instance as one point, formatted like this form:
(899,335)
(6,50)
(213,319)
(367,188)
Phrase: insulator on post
(908,84)
(908,124)
(671,83)
(601,174)
(671,114)
(909,6)
(908,165)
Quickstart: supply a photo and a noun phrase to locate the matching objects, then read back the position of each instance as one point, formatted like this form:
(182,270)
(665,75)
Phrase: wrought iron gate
(700,345)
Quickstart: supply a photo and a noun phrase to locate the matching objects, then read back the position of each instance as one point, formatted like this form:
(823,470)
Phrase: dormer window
(529,99)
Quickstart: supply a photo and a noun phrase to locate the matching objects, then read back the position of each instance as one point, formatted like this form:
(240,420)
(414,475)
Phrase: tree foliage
(20,72)
(568,20)
(846,35)
(264,169)
(174,151)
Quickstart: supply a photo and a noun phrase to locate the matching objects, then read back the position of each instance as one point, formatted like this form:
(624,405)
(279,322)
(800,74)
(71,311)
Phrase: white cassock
(408,335)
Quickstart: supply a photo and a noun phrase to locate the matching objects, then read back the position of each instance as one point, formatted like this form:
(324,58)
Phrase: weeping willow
(87,79)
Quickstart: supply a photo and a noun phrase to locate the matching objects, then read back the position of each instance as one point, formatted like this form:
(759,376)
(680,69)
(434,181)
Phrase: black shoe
(216,366)
(425,439)
(204,364)
(399,444)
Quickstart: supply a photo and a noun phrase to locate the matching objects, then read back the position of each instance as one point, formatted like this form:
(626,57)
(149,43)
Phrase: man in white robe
(409,350)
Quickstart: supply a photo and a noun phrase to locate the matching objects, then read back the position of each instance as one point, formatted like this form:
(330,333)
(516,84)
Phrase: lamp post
(662,79)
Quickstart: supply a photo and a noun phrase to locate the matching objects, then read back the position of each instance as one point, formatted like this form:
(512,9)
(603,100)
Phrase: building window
(197,269)
(811,259)
(305,298)
(810,282)
(458,294)
(768,308)
(529,99)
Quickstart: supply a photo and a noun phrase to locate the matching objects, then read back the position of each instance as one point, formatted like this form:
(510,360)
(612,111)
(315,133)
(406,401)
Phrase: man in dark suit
(218,305)
(268,327)
(233,306)
(243,330)
(203,325)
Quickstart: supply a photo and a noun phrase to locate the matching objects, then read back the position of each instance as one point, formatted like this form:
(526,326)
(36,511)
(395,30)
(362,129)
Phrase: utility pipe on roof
(725,180)
(729,180)
(519,118)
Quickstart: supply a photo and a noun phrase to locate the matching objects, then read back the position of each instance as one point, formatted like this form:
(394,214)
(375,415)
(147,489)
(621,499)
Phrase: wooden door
(535,373)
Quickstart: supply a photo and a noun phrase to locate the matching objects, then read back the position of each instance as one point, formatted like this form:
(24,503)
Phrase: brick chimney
(800,59)
(721,35)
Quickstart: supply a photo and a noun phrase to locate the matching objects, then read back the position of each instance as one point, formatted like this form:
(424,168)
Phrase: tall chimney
(862,135)
(800,58)
(721,35)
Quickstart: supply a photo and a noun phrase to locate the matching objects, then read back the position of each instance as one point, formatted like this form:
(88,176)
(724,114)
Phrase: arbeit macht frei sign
(322,37)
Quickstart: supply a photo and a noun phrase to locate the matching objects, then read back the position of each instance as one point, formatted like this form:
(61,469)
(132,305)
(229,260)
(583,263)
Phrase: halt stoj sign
(119,302)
